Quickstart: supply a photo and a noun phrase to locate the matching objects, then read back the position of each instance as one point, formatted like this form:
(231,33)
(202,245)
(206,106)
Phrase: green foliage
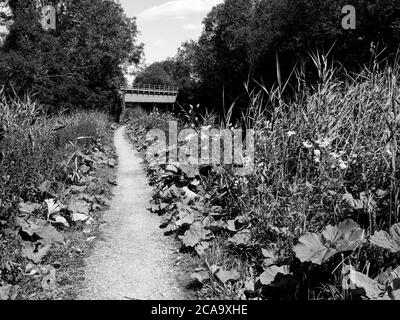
(76,65)
(241,40)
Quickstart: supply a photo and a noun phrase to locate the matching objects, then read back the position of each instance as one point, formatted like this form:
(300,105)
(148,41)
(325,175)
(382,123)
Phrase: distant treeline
(77,65)
(244,39)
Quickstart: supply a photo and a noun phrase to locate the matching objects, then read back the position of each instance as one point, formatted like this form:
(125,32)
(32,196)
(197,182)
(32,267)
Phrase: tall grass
(340,139)
(35,145)
(328,153)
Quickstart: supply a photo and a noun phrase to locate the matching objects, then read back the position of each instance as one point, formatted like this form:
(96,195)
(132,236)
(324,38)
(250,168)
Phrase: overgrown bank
(318,218)
(56,173)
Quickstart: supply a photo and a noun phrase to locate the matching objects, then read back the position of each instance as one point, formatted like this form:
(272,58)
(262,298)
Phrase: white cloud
(178,9)
(192,27)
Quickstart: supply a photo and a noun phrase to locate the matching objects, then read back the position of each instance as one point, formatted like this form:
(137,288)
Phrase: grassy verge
(317,218)
(56,174)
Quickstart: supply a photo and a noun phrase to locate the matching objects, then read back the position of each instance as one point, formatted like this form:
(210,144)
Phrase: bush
(34,148)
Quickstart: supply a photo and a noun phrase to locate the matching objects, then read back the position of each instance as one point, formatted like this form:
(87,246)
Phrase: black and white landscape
(199,150)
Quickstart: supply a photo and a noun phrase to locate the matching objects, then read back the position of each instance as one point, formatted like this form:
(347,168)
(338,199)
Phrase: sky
(165,24)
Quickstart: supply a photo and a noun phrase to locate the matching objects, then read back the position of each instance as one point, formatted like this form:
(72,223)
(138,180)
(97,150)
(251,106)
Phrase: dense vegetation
(77,65)
(57,90)
(317,218)
(241,40)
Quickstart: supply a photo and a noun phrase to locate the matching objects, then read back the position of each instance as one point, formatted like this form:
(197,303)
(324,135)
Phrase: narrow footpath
(132,259)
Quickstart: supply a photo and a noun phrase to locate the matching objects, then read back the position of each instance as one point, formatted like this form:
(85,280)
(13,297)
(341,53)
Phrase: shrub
(34,148)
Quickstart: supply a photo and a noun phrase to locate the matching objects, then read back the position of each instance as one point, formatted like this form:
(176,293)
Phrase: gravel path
(133,260)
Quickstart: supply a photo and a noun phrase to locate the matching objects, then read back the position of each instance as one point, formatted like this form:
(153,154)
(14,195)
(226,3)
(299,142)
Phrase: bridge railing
(151,89)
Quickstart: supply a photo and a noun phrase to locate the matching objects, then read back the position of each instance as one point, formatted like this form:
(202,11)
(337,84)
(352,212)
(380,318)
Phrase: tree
(159,73)
(242,38)
(77,65)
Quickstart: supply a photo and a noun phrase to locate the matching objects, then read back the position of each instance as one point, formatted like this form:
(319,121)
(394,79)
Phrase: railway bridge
(148,94)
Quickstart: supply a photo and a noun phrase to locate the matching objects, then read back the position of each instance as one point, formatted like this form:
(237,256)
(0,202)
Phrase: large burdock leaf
(195,234)
(227,275)
(52,207)
(5,292)
(80,210)
(391,280)
(270,254)
(242,238)
(360,284)
(201,276)
(186,219)
(214,225)
(49,281)
(28,208)
(47,187)
(78,206)
(201,248)
(42,228)
(318,248)
(35,251)
(269,275)
(58,219)
(388,241)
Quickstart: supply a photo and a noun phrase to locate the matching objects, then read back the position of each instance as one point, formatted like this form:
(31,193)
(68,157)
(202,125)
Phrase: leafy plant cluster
(50,186)
(318,217)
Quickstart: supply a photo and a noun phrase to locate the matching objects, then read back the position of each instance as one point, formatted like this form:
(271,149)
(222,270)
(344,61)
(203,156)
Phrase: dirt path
(133,260)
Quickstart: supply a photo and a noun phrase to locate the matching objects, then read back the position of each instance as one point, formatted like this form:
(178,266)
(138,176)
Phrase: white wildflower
(343,165)
(290,133)
(323,143)
(334,155)
(317,153)
(307,144)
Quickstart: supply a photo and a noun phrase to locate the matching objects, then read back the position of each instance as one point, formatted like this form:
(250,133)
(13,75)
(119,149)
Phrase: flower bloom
(343,165)
(307,144)
(323,143)
(334,155)
(290,133)
(317,156)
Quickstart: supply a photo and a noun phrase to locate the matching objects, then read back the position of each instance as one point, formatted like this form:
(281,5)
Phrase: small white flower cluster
(317,156)
(340,163)
(323,143)
(307,144)
(290,133)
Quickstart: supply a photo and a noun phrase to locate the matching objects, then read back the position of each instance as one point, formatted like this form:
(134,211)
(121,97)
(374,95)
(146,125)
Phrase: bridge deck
(148,93)
(151,89)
